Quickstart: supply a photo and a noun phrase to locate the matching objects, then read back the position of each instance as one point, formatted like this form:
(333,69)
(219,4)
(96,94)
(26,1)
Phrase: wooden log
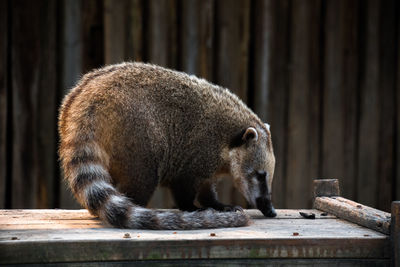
(355,212)
(395,233)
(326,188)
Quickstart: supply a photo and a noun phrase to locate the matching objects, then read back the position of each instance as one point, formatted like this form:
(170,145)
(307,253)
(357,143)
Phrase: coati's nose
(265,206)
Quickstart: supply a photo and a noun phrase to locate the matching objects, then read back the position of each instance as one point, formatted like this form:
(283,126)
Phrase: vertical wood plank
(340,91)
(388,50)
(397,181)
(24,89)
(232,26)
(161,40)
(278,96)
(303,135)
(115,30)
(196,38)
(161,33)
(395,233)
(261,57)
(367,182)
(45,123)
(33,82)
(3,100)
(189,32)
(92,34)
(71,62)
(134,48)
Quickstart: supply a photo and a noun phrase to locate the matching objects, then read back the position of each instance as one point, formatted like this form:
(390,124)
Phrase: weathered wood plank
(395,233)
(33,82)
(71,70)
(367,165)
(397,178)
(355,212)
(47,106)
(134,50)
(92,34)
(161,33)
(261,53)
(287,236)
(340,93)
(303,108)
(326,188)
(231,52)
(234,262)
(387,84)
(232,55)
(278,97)
(3,100)
(115,30)
(196,37)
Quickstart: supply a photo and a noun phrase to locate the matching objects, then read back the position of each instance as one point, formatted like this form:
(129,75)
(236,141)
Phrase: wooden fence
(324,74)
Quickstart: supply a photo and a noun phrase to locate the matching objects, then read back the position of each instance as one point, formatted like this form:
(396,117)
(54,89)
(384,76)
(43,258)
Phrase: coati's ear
(268,126)
(244,136)
(250,134)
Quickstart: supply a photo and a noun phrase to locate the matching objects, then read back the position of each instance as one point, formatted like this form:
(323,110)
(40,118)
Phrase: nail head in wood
(395,233)
(326,188)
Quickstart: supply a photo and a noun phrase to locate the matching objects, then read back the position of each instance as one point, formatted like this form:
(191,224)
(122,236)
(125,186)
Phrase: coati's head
(252,164)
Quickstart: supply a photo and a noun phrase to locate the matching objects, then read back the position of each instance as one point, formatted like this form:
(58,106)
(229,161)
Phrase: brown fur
(126,128)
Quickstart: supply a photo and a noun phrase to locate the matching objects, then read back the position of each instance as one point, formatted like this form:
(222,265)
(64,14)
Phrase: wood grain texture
(71,70)
(340,94)
(134,49)
(92,34)
(33,236)
(115,30)
(368,140)
(34,103)
(326,188)
(395,233)
(277,114)
(196,38)
(386,100)
(303,108)
(232,44)
(3,100)
(355,212)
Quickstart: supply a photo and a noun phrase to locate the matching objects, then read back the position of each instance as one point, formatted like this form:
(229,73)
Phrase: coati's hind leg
(207,197)
(184,195)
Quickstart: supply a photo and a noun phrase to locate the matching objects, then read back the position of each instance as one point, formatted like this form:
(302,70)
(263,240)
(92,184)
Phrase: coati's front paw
(233,208)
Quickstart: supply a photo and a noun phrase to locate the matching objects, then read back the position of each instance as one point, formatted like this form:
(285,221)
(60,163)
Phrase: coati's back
(126,128)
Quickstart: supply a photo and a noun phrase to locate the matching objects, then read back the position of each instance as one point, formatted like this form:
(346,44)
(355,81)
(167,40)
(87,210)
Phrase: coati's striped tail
(85,167)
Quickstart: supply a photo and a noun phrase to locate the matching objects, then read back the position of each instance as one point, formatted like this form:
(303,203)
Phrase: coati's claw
(233,208)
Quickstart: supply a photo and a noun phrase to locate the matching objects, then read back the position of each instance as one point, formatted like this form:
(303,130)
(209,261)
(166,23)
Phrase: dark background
(324,74)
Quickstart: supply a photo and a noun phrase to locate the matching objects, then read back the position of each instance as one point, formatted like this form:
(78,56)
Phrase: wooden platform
(75,237)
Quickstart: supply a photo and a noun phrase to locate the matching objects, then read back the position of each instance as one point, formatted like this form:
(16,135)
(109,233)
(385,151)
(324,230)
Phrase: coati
(124,129)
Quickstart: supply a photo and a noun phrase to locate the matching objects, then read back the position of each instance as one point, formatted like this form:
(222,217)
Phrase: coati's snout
(252,166)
